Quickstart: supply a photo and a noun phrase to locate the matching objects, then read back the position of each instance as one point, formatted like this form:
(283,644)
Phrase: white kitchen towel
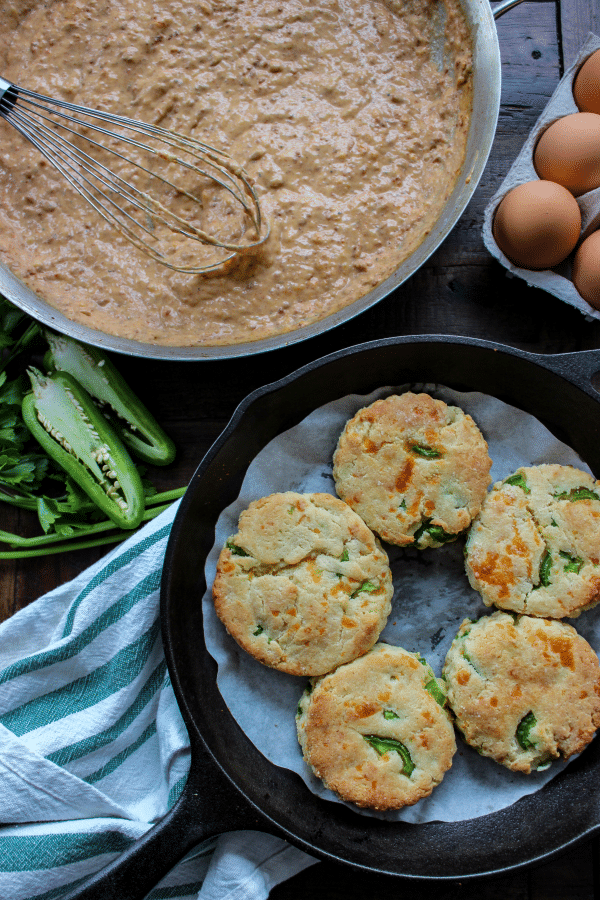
(93,749)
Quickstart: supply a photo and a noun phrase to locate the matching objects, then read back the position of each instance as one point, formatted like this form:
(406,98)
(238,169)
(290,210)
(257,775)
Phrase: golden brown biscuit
(523,690)
(415,469)
(304,585)
(535,546)
(375,730)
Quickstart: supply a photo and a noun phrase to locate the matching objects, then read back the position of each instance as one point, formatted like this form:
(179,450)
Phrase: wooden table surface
(460,291)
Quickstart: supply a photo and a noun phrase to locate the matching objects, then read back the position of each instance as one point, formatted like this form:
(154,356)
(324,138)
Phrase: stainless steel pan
(486,105)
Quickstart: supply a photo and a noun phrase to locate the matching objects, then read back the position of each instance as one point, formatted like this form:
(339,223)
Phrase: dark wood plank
(577,19)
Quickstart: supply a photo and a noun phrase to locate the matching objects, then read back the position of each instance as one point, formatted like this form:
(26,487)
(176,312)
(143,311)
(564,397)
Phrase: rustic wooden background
(460,291)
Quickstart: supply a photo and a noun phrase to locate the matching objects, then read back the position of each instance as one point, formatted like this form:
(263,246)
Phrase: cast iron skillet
(231,785)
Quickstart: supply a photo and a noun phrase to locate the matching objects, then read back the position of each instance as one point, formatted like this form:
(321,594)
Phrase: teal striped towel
(93,749)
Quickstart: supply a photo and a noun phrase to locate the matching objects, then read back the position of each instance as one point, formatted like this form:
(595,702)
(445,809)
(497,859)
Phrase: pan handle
(578,367)
(503,7)
(208,806)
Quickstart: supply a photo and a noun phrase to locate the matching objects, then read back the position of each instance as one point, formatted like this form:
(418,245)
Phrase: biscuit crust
(523,690)
(415,469)
(535,546)
(304,585)
(374,732)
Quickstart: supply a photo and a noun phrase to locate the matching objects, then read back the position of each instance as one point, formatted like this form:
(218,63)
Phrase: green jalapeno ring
(518,480)
(60,412)
(579,493)
(235,549)
(545,569)
(439,535)
(383,745)
(426,452)
(573,563)
(95,372)
(528,722)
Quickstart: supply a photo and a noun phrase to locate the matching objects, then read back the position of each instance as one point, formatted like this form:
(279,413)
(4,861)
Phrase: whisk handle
(8,95)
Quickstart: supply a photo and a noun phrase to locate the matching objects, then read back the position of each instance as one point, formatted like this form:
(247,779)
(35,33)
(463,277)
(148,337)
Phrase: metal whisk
(58,129)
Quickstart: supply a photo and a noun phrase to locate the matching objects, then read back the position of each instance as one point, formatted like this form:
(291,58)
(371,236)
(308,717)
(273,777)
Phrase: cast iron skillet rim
(240,791)
(539,359)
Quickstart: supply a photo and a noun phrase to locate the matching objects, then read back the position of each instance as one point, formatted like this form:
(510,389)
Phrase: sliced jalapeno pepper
(573,563)
(96,373)
(523,729)
(545,569)
(580,493)
(64,420)
(518,480)
(436,531)
(383,745)
(426,452)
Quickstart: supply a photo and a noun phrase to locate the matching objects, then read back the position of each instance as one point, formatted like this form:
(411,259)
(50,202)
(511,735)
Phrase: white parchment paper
(431,598)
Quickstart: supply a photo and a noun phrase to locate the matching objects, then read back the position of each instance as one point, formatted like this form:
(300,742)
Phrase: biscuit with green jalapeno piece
(523,690)
(375,731)
(535,546)
(303,585)
(415,469)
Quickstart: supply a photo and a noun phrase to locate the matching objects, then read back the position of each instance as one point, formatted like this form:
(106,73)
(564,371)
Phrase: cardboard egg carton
(556,281)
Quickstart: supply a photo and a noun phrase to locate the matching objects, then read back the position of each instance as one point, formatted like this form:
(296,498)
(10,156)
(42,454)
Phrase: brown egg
(586,88)
(568,152)
(537,224)
(586,269)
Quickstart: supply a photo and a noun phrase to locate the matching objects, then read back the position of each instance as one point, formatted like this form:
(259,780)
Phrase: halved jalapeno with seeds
(62,417)
(95,372)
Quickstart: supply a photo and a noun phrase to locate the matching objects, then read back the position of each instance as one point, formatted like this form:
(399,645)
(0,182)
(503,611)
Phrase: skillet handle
(208,806)
(578,367)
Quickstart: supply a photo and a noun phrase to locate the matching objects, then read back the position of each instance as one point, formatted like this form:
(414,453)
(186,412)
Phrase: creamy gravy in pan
(350,115)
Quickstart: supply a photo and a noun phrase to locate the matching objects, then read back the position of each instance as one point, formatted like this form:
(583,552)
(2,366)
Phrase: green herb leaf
(367,586)
(382,745)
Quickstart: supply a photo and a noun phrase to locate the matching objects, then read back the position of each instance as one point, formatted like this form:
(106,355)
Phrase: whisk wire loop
(45,121)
